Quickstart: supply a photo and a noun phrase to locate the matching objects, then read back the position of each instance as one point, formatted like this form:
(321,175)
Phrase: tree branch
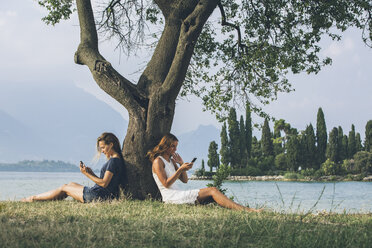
(190,31)
(229,24)
(104,74)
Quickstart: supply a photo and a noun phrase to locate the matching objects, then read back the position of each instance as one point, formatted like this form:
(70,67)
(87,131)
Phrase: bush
(221,174)
(363,162)
(281,161)
(331,168)
(308,172)
(266,163)
(248,171)
(199,173)
(293,176)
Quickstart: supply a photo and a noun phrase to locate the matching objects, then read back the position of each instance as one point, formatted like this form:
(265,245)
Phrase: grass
(128,223)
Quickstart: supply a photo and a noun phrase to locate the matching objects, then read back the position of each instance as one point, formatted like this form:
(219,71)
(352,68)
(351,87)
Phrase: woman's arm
(158,168)
(103,182)
(177,159)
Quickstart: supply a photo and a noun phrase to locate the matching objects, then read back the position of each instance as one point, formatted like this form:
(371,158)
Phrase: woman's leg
(74,190)
(221,199)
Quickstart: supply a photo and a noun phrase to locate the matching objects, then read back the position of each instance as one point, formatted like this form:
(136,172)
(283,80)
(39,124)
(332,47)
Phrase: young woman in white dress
(166,172)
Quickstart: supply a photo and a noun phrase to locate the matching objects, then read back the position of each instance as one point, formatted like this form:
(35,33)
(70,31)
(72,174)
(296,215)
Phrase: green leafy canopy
(247,47)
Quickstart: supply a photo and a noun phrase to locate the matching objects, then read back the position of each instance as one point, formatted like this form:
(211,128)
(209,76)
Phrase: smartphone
(193,160)
(81,164)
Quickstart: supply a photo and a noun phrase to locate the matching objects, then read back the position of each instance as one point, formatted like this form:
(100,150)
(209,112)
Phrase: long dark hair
(163,145)
(110,138)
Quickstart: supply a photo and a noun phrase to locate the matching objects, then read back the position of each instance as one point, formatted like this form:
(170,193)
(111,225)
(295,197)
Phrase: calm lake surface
(289,197)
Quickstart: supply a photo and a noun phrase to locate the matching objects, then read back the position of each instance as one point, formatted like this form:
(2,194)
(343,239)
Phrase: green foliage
(321,137)
(293,176)
(266,163)
(309,148)
(234,139)
(352,142)
(242,143)
(368,137)
(246,171)
(274,38)
(221,174)
(266,140)
(201,171)
(248,130)
(277,37)
(293,153)
(308,172)
(225,153)
(281,161)
(58,10)
(358,144)
(333,148)
(329,168)
(213,157)
(363,162)
(340,145)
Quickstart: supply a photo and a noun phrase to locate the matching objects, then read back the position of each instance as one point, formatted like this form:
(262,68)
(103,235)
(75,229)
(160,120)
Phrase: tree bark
(150,103)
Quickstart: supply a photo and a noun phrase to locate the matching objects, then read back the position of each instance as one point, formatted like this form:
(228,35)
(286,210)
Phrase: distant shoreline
(281,178)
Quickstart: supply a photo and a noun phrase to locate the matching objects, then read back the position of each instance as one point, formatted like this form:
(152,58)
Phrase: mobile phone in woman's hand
(193,160)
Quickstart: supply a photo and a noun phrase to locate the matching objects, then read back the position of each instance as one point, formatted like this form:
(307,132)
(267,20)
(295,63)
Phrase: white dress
(174,194)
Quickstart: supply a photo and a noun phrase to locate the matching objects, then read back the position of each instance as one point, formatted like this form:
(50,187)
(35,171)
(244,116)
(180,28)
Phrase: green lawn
(128,223)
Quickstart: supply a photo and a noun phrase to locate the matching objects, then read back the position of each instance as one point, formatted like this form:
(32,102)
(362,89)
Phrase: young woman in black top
(107,186)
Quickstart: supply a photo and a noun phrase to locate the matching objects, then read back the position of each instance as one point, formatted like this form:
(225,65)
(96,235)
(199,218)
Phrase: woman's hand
(186,166)
(85,169)
(177,158)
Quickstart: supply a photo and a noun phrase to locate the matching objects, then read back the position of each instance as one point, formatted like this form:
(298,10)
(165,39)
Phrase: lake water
(352,197)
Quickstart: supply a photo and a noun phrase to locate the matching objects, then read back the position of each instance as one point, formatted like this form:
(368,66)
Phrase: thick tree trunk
(151,102)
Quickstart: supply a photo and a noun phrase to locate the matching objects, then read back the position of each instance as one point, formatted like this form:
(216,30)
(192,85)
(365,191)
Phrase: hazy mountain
(62,122)
(196,143)
(56,122)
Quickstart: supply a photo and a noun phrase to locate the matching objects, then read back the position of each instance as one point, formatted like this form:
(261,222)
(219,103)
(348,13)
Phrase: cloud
(338,49)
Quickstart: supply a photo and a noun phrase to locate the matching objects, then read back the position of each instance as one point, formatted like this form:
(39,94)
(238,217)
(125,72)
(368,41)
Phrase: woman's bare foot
(28,199)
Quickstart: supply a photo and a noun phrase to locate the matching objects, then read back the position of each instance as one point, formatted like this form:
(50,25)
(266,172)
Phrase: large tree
(259,43)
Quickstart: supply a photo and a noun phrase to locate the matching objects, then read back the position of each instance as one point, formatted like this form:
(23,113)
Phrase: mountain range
(62,122)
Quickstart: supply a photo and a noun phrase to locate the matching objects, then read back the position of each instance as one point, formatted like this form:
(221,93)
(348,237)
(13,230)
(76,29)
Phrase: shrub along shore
(132,223)
(290,177)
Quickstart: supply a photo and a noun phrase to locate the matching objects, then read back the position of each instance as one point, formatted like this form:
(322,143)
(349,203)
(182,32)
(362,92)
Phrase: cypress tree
(266,141)
(341,148)
(368,137)
(351,142)
(358,143)
(234,139)
(293,152)
(333,146)
(321,137)
(310,147)
(213,157)
(256,148)
(345,147)
(225,157)
(243,146)
(248,130)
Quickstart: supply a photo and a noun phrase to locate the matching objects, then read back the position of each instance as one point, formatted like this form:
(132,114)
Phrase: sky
(32,51)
